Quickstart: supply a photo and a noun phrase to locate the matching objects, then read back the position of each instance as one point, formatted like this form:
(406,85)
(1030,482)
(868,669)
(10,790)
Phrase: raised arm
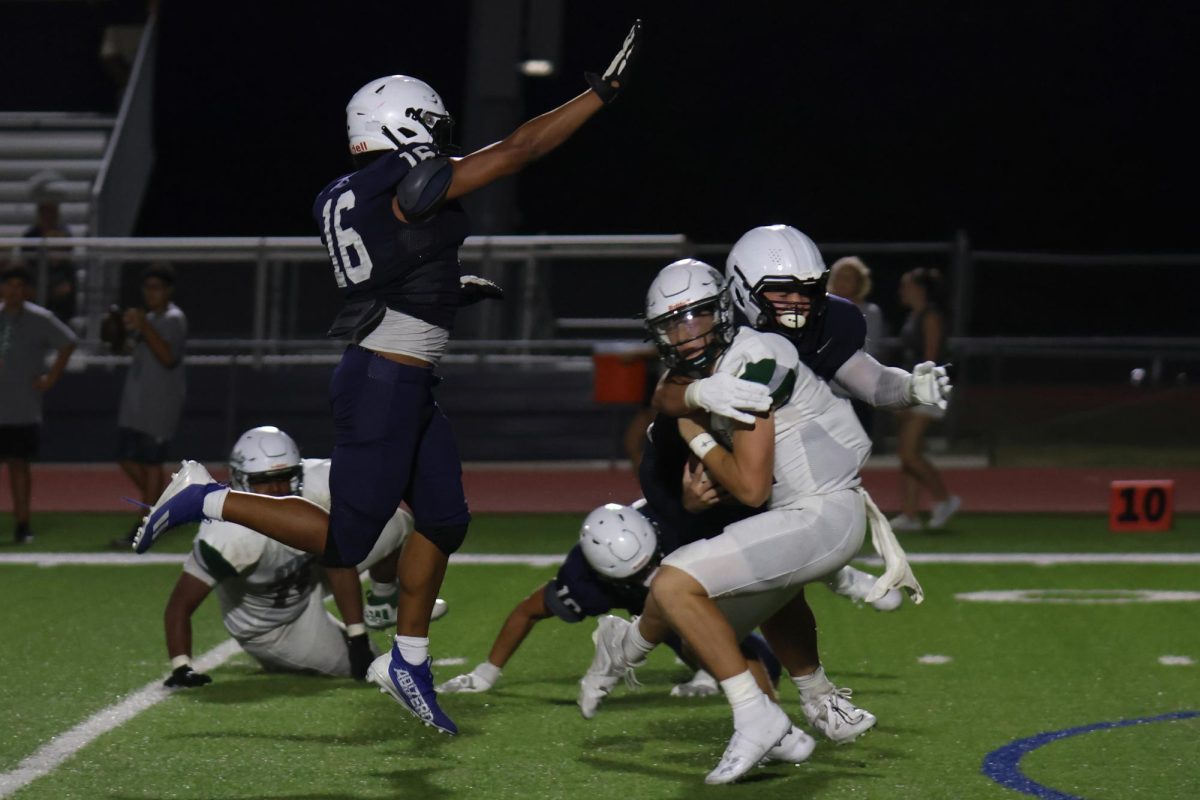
(544,133)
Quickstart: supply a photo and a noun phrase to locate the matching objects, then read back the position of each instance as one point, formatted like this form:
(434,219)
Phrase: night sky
(1062,126)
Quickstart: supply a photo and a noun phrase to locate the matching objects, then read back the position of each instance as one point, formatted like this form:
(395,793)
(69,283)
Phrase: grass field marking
(1043,559)
(1176,661)
(50,755)
(1003,765)
(546,560)
(933,658)
(449,662)
(1079,596)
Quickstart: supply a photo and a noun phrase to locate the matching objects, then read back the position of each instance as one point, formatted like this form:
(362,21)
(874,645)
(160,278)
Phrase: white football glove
(930,385)
(701,685)
(728,396)
(480,679)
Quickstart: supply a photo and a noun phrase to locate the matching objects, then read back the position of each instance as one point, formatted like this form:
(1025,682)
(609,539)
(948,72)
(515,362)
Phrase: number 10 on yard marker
(1136,506)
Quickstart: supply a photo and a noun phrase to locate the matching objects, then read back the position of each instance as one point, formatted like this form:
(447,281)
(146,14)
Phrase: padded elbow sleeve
(868,380)
(423,189)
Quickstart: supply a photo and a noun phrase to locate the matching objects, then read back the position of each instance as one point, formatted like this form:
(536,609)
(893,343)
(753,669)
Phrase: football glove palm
(616,77)
(930,385)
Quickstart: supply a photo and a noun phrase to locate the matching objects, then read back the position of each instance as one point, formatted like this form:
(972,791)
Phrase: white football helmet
(778,258)
(265,455)
(688,315)
(617,541)
(394,111)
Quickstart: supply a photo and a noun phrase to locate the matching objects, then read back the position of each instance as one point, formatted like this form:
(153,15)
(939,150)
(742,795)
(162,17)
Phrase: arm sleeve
(866,379)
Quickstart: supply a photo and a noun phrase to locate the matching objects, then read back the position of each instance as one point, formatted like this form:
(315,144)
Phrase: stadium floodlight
(537,67)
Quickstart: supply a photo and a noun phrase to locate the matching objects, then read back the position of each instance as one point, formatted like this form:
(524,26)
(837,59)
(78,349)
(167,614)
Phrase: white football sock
(745,697)
(214,504)
(384,589)
(488,671)
(813,685)
(413,649)
(635,647)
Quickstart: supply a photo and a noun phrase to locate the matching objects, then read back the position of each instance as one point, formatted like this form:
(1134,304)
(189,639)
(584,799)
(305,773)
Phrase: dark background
(1063,126)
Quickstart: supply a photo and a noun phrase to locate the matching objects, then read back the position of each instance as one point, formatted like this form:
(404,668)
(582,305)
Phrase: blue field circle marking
(1004,764)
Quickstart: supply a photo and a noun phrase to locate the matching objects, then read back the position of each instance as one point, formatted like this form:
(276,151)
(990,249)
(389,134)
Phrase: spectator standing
(28,333)
(851,278)
(153,394)
(63,285)
(923,337)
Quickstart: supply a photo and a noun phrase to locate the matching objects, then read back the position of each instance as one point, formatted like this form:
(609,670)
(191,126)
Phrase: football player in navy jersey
(393,228)
(778,275)
(619,548)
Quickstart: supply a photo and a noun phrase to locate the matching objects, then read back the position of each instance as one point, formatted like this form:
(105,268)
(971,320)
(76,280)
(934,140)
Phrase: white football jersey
(262,584)
(819,443)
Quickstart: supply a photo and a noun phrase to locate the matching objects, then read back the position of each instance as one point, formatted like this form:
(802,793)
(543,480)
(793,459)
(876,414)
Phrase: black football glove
(361,656)
(616,77)
(472,289)
(187,678)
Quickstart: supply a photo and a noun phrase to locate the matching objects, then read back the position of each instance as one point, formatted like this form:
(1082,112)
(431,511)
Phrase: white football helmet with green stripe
(688,315)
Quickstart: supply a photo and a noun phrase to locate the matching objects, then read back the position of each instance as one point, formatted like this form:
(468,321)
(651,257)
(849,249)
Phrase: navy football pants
(392,443)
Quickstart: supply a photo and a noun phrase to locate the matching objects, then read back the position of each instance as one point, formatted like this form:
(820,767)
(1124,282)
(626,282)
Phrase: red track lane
(100,487)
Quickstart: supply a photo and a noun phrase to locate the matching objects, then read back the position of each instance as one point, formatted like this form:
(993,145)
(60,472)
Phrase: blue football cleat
(412,688)
(181,502)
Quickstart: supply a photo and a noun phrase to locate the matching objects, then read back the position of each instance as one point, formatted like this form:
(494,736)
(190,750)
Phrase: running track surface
(100,487)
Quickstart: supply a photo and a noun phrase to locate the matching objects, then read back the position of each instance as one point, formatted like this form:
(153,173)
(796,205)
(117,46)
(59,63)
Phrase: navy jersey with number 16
(411,267)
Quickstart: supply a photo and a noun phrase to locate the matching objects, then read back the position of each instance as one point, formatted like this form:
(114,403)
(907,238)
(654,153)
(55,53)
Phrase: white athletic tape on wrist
(702,444)
(356,629)
(180,661)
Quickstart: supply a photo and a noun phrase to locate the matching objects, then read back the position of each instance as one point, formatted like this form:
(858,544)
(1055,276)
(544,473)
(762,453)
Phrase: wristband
(356,629)
(180,661)
(702,444)
(690,400)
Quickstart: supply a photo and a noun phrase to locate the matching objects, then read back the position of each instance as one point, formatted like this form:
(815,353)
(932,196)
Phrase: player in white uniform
(270,594)
(801,460)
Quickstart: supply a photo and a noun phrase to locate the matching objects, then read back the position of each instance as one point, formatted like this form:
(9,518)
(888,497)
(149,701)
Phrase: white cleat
(943,511)
(181,502)
(701,685)
(856,584)
(749,746)
(904,522)
(608,665)
(794,748)
(837,718)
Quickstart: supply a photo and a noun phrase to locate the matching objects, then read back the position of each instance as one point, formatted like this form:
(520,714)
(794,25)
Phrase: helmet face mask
(779,258)
(689,317)
(265,460)
(392,112)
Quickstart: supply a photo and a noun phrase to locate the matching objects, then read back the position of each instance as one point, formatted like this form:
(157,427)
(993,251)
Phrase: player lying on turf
(800,460)
(270,594)
(619,548)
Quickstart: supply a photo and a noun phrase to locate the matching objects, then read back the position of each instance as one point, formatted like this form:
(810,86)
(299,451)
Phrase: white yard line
(65,745)
(539,560)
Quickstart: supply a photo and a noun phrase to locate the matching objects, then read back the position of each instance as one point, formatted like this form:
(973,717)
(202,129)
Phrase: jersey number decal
(351,261)
(564,594)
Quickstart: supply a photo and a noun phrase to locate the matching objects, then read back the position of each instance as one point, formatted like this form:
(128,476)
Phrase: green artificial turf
(78,638)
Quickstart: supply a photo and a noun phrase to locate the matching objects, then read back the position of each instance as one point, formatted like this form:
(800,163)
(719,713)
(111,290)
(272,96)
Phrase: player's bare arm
(520,622)
(747,471)
(188,594)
